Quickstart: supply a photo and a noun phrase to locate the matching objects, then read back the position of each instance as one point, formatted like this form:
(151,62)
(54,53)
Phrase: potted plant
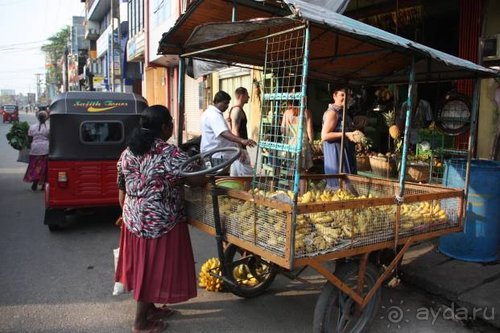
(363,154)
(386,165)
(17,137)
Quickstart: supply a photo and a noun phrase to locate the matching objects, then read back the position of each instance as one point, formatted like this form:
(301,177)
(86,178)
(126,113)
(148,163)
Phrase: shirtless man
(237,121)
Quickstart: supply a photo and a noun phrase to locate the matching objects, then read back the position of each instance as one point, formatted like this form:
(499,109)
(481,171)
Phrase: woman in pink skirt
(156,259)
(36,173)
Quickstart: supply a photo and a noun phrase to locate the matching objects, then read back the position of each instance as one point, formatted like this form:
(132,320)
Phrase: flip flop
(162,313)
(158,326)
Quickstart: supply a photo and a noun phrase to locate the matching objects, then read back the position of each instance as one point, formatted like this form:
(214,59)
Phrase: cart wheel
(240,263)
(337,312)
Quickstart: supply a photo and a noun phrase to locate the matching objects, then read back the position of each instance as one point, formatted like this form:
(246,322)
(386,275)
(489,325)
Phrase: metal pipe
(342,139)
(411,87)
(180,98)
(234,16)
(241,42)
(472,138)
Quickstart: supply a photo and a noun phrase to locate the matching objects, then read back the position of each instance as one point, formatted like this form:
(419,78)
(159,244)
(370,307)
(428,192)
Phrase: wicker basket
(418,172)
(363,163)
(384,167)
(317,149)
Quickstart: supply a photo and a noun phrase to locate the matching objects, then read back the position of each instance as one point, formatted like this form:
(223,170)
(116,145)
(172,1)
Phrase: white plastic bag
(24,155)
(241,167)
(118,288)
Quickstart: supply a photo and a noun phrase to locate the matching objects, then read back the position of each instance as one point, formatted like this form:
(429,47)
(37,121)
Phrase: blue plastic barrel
(480,240)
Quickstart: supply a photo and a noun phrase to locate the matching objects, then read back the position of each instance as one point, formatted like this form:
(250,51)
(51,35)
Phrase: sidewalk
(473,286)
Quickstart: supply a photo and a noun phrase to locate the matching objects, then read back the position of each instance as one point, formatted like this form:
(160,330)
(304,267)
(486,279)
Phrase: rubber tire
(54,218)
(244,291)
(325,320)
(54,227)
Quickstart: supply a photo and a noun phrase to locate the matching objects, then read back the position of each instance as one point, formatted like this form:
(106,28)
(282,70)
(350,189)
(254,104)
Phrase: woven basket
(418,172)
(317,149)
(363,163)
(382,166)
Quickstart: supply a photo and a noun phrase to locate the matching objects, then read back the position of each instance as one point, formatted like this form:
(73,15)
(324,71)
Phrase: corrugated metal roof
(341,49)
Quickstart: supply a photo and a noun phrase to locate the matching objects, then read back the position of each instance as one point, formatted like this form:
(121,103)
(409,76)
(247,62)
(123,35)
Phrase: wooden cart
(266,241)
(283,220)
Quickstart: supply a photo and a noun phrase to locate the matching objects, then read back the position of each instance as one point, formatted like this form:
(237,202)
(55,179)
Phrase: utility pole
(115,56)
(66,70)
(38,88)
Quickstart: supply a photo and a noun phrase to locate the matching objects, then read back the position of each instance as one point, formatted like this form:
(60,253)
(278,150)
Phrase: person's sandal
(163,312)
(158,326)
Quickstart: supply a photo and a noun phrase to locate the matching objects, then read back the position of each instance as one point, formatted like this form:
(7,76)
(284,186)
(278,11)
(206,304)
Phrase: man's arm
(236,139)
(236,120)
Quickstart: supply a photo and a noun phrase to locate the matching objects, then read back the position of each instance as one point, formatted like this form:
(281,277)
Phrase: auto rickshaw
(10,113)
(88,131)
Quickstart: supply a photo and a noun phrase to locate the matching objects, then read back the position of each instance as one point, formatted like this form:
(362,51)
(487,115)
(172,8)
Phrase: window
(95,132)
(135,16)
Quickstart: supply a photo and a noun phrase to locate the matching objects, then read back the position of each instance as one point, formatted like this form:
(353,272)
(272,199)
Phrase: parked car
(10,113)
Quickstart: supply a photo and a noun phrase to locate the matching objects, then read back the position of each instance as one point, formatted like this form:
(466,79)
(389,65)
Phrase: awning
(341,49)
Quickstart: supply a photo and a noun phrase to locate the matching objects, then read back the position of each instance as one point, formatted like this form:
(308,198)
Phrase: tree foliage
(54,52)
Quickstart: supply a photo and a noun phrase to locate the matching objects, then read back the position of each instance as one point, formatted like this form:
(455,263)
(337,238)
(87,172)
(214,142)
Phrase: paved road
(61,282)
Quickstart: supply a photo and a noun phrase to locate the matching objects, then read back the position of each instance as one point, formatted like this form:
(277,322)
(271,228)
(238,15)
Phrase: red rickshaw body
(88,131)
(10,113)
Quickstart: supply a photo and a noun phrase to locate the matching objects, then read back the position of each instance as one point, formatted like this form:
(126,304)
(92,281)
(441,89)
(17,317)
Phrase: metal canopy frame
(364,59)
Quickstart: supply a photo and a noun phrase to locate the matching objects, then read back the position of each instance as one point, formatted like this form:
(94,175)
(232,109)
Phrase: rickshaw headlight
(62,177)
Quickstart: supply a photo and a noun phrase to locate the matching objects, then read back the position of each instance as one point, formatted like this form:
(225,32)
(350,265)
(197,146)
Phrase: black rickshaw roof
(341,49)
(92,102)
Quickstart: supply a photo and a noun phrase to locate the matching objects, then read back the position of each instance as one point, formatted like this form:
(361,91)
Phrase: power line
(23,43)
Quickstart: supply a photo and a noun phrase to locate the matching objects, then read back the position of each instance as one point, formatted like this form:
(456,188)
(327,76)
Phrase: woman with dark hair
(38,134)
(331,135)
(156,259)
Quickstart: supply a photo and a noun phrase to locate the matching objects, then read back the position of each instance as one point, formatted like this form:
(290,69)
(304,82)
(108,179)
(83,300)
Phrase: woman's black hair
(42,117)
(152,119)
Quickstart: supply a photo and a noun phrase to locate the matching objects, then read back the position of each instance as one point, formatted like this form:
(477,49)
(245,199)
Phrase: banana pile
(243,276)
(422,213)
(322,231)
(208,281)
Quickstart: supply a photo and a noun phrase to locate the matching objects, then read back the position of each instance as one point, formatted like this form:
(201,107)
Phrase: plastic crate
(437,140)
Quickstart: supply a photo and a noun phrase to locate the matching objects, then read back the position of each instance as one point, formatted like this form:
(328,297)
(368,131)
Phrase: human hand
(248,143)
(350,136)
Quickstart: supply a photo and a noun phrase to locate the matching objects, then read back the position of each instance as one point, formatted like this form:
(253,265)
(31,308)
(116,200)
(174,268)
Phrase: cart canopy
(341,49)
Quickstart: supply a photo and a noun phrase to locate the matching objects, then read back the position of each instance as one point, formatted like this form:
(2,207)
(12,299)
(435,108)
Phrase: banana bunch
(208,281)
(315,195)
(320,231)
(421,213)
(243,276)
(226,205)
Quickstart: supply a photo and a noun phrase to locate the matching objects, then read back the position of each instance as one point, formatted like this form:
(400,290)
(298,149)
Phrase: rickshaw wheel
(239,263)
(337,312)
(54,227)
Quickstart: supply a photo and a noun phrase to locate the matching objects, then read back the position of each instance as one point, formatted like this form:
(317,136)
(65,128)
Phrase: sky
(25,27)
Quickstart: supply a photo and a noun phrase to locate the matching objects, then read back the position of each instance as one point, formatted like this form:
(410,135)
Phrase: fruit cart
(282,220)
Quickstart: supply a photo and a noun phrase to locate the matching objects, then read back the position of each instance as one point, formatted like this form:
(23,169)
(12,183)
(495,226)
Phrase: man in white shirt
(215,132)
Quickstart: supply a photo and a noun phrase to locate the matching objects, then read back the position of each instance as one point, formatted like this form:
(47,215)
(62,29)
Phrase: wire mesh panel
(368,221)
(362,212)
(282,115)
